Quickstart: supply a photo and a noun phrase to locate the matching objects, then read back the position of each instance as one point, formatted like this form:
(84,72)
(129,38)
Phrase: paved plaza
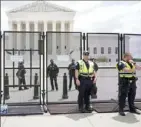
(106,83)
(75,120)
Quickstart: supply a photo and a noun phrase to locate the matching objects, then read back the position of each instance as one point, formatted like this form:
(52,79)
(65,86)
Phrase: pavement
(107,89)
(74,120)
(106,83)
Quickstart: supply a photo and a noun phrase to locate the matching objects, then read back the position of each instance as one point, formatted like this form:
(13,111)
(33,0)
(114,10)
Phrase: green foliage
(137,59)
(102,59)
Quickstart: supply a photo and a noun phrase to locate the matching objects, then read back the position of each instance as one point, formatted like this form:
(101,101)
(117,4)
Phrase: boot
(25,87)
(135,111)
(121,112)
(89,109)
(20,88)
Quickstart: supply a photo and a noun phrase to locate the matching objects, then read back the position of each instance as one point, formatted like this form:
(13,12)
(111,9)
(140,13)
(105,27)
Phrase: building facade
(43,16)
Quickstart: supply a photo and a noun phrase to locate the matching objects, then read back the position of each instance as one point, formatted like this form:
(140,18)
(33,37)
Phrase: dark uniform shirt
(52,70)
(71,69)
(95,67)
(21,71)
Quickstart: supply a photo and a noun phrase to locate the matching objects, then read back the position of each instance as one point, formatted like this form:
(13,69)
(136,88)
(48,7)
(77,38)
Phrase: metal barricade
(23,71)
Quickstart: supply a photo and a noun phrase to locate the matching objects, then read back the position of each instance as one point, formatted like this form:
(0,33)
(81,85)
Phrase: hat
(85,53)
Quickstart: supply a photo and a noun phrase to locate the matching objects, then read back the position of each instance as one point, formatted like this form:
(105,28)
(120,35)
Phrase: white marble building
(43,16)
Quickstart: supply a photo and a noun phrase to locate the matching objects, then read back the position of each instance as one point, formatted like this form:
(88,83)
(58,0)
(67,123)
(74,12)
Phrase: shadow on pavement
(79,116)
(129,118)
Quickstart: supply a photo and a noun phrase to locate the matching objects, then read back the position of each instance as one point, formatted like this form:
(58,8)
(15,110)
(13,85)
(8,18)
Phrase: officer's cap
(85,53)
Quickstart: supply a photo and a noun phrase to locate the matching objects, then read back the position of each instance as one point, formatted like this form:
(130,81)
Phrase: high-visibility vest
(127,74)
(83,71)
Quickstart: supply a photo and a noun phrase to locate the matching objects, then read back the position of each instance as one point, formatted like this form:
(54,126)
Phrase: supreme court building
(43,16)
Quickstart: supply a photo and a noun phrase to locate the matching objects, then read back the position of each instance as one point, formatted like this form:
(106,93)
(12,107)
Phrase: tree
(102,59)
(137,59)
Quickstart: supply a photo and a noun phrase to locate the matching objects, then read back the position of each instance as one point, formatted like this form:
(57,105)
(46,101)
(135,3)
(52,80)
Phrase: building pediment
(40,6)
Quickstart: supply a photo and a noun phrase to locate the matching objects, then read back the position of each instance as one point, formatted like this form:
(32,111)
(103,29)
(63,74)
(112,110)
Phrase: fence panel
(22,72)
(105,49)
(131,43)
(62,47)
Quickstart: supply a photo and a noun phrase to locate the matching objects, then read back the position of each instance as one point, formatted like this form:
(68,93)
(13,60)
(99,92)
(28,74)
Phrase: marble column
(45,26)
(71,26)
(10,41)
(36,36)
(54,38)
(63,38)
(27,24)
(19,35)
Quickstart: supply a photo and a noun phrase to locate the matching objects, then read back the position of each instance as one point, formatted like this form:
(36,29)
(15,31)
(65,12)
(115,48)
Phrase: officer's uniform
(94,87)
(21,76)
(86,71)
(127,86)
(71,69)
(52,72)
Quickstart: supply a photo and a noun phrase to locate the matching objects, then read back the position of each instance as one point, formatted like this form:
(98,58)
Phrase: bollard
(6,88)
(36,90)
(65,90)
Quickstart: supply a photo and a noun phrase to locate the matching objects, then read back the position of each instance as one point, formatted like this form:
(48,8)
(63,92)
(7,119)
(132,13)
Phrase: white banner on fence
(64,58)
(16,58)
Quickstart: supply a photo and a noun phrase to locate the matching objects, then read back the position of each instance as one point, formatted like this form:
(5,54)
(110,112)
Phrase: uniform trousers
(84,92)
(53,80)
(127,88)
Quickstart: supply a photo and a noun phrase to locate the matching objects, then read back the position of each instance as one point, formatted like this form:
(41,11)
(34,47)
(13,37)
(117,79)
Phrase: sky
(95,16)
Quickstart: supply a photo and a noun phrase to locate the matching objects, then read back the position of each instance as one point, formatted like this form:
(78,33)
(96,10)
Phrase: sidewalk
(74,120)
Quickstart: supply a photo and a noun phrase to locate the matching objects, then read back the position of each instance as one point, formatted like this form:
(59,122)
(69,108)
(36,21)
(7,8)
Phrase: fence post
(6,88)
(36,90)
(65,90)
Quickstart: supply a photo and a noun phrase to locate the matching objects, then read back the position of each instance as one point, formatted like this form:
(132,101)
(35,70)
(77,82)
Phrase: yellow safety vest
(83,71)
(126,75)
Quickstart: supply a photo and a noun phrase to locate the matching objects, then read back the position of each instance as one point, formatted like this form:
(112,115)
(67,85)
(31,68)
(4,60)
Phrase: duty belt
(128,73)
(84,75)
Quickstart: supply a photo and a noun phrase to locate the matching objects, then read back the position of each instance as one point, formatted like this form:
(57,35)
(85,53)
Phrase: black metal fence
(20,47)
(131,43)
(38,48)
(62,47)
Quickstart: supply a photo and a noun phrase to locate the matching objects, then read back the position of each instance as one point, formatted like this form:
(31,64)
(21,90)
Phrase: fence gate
(23,72)
(105,49)
(62,47)
(131,43)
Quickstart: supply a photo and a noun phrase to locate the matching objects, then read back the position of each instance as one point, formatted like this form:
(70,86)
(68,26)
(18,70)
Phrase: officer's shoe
(20,88)
(94,96)
(135,112)
(89,109)
(121,112)
(82,110)
(26,88)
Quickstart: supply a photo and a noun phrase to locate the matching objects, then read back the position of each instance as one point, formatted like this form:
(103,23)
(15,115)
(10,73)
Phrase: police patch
(120,64)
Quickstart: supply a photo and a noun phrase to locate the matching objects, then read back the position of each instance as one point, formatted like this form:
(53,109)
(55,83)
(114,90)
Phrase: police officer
(52,72)
(127,83)
(71,69)
(21,75)
(94,87)
(84,75)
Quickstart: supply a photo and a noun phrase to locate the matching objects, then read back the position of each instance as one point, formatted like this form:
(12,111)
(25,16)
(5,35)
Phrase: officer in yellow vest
(127,83)
(84,75)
